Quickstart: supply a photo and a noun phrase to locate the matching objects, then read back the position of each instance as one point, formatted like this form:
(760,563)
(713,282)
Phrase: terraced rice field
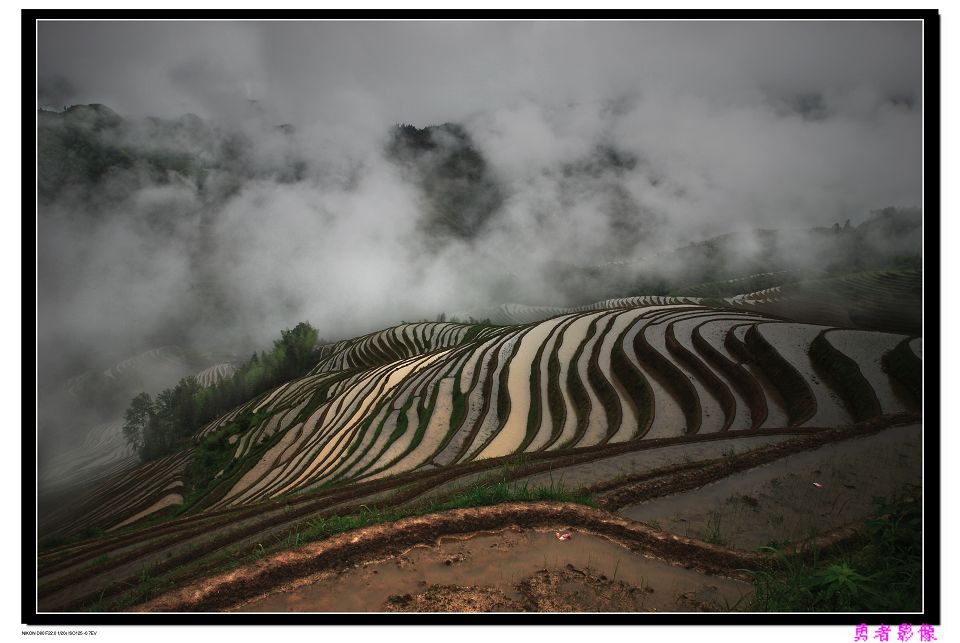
(882,300)
(210,376)
(522,314)
(409,412)
(867,350)
(916,345)
(779,502)
(885,300)
(104,451)
(169,356)
(792,343)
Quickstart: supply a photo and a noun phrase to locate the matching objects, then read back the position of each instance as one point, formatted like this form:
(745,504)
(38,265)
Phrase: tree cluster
(157,427)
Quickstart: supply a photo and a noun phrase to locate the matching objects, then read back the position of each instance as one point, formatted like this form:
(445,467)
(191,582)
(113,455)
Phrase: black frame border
(931,365)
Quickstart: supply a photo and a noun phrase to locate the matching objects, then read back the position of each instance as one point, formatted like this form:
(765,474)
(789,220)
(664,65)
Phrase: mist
(600,142)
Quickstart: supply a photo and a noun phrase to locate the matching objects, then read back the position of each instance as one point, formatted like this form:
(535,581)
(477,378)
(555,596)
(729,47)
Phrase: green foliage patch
(159,427)
(883,574)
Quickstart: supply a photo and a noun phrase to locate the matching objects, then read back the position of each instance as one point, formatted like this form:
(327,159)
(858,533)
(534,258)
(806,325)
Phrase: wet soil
(339,554)
(566,590)
(627,464)
(779,502)
(511,570)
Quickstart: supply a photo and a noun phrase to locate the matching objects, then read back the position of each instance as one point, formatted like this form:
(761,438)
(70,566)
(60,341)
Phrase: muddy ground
(512,570)
(597,535)
(793,498)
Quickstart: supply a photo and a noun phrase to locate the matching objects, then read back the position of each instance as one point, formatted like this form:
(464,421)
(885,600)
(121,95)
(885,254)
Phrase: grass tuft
(480,494)
(882,574)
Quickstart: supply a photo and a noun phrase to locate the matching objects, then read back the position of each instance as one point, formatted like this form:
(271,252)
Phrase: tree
(158,427)
(136,421)
(295,350)
(184,406)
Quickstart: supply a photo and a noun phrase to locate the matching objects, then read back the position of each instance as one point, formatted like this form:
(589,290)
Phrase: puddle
(778,502)
(500,561)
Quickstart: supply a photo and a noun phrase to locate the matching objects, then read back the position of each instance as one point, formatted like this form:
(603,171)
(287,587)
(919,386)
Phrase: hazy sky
(425,72)
(734,125)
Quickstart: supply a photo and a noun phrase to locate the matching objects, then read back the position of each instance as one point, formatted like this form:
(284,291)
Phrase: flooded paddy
(514,429)
(792,342)
(867,348)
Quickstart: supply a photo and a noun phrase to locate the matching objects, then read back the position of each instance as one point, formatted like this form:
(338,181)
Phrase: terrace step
(614,373)
(791,343)
(867,350)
